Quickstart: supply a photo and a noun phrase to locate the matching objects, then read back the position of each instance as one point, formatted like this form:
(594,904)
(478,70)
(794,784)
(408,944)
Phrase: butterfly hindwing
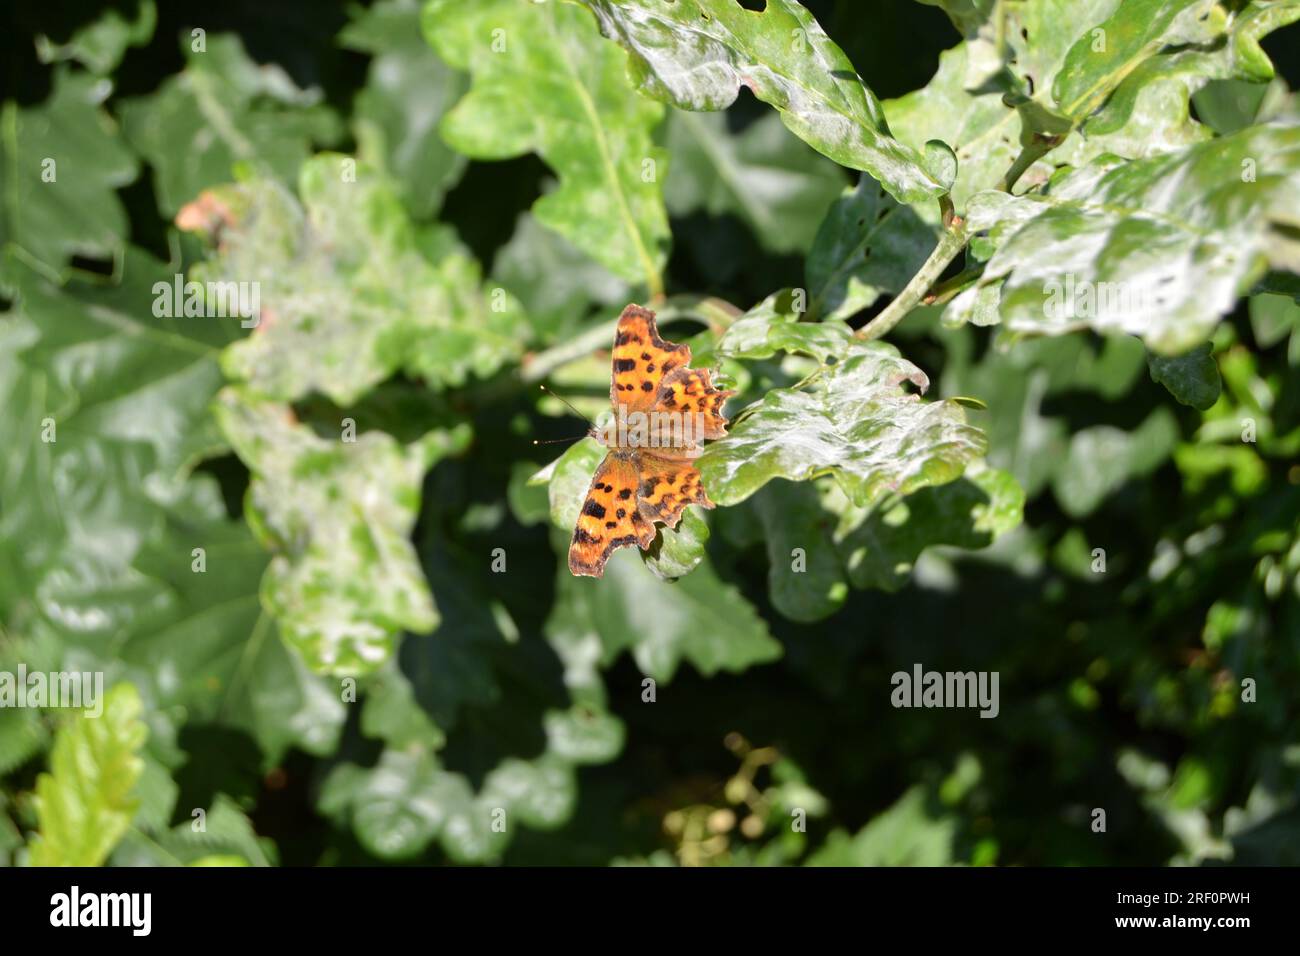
(668,485)
(609,518)
(641,360)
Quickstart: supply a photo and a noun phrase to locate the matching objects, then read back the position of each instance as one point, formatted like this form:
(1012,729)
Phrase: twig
(951,242)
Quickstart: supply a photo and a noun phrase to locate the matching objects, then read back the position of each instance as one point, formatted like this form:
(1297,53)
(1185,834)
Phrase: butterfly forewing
(641,360)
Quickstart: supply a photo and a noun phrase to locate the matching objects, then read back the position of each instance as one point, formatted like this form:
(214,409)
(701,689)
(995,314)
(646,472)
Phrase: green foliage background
(438,225)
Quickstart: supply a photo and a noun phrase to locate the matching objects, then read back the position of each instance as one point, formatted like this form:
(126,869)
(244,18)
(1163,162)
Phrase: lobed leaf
(407,91)
(1160,248)
(344,579)
(1101,458)
(697,54)
(540,84)
(60,165)
(881,546)
(857,422)
(84,804)
(774,325)
(100,44)
(221,111)
(347,295)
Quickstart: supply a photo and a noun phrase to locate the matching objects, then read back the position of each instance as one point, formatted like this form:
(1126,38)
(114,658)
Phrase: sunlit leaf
(345,292)
(697,54)
(857,422)
(85,803)
(224,109)
(541,83)
(1114,247)
(343,579)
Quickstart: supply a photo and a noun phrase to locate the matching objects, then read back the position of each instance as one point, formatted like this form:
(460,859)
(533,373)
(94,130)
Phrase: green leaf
(881,546)
(979,126)
(583,735)
(227,838)
(805,575)
(396,114)
(60,166)
(1273,318)
(555,282)
(774,326)
(697,54)
(1192,378)
(224,109)
(1136,31)
(769,179)
(106,405)
(909,833)
(867,246)
(941,161)
(678,551)
(408,799)
(346,296)
(344,579)
(1120,75)
(85,803)
(1149,112)
(107,564)
(540,83)
(100,45)
(1018,384)
(698,618)
(392,713)
(1160,248)
(202,644)
(856,422)
(1101,458)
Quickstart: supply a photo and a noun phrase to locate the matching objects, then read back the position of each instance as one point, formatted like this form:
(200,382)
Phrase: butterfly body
(663,412)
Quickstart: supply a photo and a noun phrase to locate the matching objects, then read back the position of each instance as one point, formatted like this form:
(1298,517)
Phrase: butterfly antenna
(555,441)
(567,403)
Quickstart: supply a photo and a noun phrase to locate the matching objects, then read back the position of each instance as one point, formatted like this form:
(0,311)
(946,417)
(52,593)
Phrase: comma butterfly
(663,412)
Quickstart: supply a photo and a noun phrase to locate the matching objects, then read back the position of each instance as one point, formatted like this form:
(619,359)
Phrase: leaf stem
(951,242)
(1030,153)
(949,288)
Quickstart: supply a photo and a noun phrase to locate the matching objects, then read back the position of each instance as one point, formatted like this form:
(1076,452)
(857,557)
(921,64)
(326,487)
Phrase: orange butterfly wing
(641,360)
(634,488)
(610,517)
(668,485)
(688,391)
